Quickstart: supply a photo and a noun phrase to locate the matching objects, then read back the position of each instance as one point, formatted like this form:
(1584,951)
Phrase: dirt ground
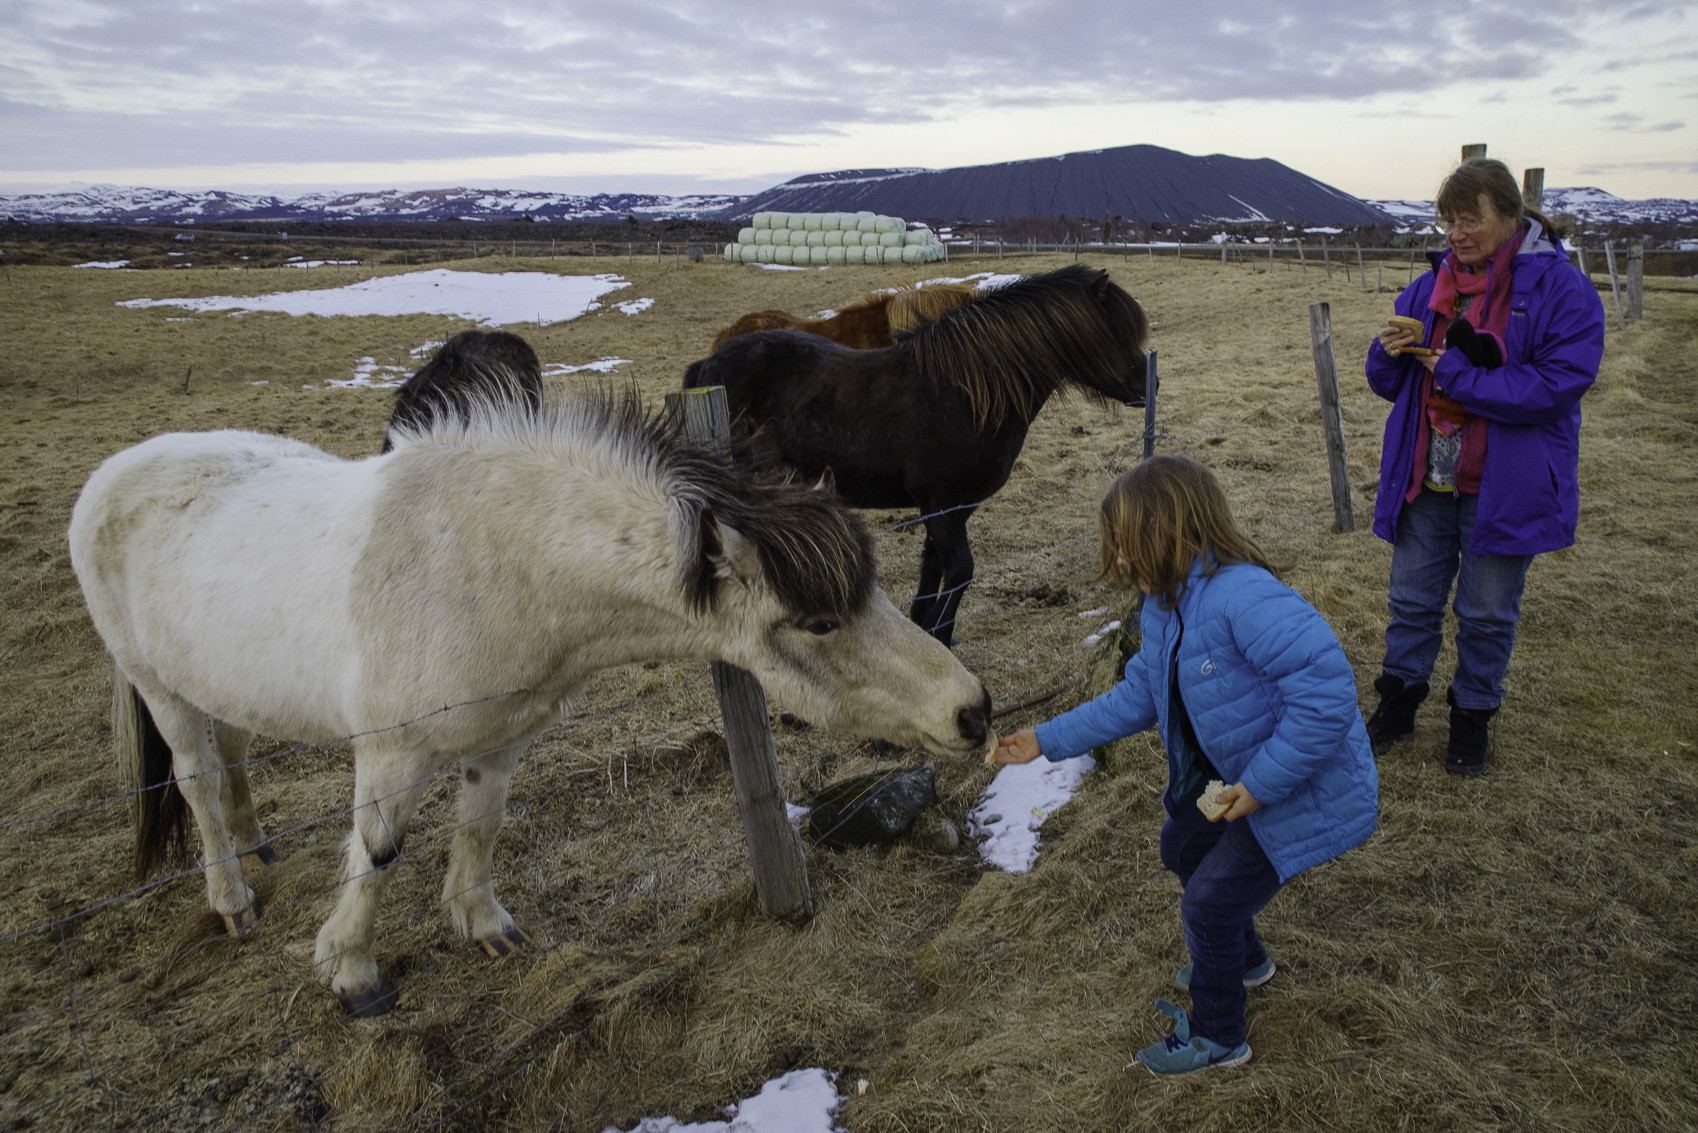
(1516,952)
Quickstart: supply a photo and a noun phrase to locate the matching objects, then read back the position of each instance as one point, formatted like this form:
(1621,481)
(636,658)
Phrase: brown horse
(869,323)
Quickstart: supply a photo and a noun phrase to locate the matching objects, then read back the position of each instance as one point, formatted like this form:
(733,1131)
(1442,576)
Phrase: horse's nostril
(974,723)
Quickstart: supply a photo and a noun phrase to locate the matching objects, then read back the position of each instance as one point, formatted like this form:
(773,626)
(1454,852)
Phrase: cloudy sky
(633,95)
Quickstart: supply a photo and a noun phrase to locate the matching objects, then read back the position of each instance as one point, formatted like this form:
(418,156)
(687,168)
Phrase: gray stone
(868,809)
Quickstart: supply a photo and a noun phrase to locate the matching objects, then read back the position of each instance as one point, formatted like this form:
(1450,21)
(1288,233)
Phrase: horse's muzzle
(974,722)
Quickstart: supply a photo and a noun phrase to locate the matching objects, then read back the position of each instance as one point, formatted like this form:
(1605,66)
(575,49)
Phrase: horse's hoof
(371,1003)
(260,855)
(242,923)
(506,943)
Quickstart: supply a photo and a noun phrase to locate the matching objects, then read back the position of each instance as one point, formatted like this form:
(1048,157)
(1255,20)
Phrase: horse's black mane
(814,552)
(1021,343)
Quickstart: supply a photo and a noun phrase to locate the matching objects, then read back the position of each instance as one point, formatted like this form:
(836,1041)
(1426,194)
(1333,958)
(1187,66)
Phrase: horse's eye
(821,627)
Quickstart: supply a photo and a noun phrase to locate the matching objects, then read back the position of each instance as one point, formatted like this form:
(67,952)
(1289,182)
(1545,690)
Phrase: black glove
(1480,349)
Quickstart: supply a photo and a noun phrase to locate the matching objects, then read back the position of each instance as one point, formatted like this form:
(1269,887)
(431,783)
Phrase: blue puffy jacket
(1273,701)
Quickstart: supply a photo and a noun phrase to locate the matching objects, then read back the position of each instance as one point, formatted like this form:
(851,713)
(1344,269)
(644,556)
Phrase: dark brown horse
(935,421)
(869,323)
(466,367)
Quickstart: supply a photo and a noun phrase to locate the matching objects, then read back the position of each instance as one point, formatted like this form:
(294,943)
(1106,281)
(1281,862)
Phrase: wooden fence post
(775,850)
(1332,416)
(1636,281)
(1615,284)
(1360,270)
(1301,257)
(1580,254)
(1533,188)
(1326,253)
(1151,384)
(1469,153)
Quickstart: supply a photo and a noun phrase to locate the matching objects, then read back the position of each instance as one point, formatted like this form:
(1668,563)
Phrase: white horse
(247,584)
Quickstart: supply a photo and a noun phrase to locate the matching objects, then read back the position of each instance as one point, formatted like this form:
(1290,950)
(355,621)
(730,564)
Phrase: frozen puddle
(1016,803)
(803,1101)
(491,298)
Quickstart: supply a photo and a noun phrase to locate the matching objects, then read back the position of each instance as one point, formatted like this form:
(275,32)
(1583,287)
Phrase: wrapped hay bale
(917,237)
(867,223)
(817,255)
(746,236)
(731,253)
(763,254)
(813,221)
(831,222)
(816,238)
(913,254)
(851,238)
(833,238)
(796,221)
(887,224)
(782,254)
(834,254)
(890,239)
(762,220)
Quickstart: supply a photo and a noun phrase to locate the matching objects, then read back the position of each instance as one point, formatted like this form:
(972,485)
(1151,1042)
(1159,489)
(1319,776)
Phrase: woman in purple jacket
(1478,472)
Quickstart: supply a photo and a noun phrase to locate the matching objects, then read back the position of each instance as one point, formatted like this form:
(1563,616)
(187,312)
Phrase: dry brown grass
(1513,953)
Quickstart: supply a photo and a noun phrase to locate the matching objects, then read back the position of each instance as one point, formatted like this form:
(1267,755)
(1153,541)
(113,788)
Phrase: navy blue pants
(1227,880)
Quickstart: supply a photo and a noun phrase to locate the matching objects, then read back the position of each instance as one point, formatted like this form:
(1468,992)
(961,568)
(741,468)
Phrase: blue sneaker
(1185,1053)
(1253,977)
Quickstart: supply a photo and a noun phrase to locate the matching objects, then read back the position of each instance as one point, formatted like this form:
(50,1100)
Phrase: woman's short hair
(1161,516)
(1461,192)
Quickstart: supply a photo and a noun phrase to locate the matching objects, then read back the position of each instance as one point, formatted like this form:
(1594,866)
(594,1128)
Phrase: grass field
(1518,952)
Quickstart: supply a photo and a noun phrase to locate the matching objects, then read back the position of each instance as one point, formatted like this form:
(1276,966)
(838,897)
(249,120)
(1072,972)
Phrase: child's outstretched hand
(1021,747)
(1240,802)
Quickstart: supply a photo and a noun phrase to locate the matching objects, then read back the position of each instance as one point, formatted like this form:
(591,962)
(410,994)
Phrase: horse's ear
(732,554)
(828,481)
(1101,286)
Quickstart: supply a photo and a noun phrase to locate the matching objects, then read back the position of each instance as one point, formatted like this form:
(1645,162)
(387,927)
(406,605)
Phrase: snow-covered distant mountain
(131,205)
(1584,202)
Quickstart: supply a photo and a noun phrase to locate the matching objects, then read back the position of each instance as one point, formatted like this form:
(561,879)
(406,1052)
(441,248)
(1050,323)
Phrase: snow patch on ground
(981,281)
(601,366)
(777,267)
(1015,805)
(1094,638)
(299,263)
(490,298)
(369,375)
(635,306)
(802,1101)
(104,264)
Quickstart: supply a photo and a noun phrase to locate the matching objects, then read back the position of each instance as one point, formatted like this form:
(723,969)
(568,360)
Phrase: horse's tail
(159,809)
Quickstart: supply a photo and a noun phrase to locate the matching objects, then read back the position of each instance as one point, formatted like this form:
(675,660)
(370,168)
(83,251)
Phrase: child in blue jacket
(1248,685)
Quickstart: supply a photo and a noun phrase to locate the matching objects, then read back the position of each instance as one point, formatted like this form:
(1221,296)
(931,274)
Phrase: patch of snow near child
(487,298)
(802,1101)
(1015,805)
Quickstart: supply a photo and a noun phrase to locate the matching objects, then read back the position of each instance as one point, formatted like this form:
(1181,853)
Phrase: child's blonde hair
(1159,518)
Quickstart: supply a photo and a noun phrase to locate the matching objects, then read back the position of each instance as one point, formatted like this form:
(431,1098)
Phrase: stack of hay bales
(820,238)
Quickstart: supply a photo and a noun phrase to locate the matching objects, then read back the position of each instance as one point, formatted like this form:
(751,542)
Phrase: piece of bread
(1413,326)
(1206,803)
(990,752)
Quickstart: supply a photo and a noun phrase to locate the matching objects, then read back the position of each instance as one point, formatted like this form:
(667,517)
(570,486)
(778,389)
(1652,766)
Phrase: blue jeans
(1227,880)
(1433,533)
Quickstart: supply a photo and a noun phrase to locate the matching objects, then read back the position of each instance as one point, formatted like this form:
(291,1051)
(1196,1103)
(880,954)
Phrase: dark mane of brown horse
(869,323)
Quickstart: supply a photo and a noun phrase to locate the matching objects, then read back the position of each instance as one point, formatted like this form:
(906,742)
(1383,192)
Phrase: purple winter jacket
(1529,494)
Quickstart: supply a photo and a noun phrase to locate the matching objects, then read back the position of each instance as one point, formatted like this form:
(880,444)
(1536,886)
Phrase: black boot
(1470,738)
(1395,717)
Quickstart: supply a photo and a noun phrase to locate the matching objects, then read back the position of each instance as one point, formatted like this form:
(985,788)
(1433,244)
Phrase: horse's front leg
(468,890)
(387,787)
(203,780)
(955,558)
(931,573)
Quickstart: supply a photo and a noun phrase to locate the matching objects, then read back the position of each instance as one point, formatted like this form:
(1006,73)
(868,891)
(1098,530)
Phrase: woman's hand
(1240,802)
(1021,747)
(1429,360)
(1394,338)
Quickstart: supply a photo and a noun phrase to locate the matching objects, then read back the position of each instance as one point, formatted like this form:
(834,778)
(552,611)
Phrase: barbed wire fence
(90,1083)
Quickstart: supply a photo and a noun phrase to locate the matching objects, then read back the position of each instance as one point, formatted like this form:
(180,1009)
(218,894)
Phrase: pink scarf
(1489,312)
